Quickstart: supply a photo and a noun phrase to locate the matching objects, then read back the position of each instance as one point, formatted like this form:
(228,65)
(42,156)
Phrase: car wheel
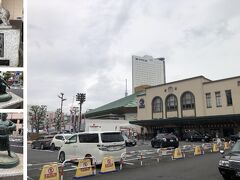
(61,157)
(32,146)
(42,147)
(53,147)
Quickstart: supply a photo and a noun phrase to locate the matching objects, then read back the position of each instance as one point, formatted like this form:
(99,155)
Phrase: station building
(196,103)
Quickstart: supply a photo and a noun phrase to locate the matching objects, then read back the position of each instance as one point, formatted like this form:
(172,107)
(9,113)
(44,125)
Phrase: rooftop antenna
(126,93)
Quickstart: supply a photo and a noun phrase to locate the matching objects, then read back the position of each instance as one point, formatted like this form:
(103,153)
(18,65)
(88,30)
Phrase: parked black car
(165,140)
(42,142)
(235,137)
(196,136)
(129,141)
(229,165)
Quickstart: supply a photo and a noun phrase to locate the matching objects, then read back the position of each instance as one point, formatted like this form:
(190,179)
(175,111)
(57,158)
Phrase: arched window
(157,105)
(188,101)
(171,103)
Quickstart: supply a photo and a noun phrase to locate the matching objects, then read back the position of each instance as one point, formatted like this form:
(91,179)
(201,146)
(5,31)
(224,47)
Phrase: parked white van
(96,144)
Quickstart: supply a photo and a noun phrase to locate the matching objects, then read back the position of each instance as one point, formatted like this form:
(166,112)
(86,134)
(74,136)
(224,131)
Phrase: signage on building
(141,103)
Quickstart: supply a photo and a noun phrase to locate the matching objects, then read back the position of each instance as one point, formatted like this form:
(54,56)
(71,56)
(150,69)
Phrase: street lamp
(62,99)
(81,97)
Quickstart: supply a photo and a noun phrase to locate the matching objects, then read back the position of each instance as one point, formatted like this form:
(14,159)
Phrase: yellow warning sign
(84,168)
(50,172)
(215,148)
(226,146)
(108,165)
(177,154)
(197,151)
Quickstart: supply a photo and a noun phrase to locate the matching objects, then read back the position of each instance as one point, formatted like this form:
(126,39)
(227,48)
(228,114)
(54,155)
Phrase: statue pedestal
(14,173)
(9,47)
(15,103)
(8,162)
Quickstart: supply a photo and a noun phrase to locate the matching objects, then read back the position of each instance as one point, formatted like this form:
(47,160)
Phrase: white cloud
(86,46)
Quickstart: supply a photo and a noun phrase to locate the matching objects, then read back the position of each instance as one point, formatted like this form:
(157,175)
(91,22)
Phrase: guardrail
(129,158)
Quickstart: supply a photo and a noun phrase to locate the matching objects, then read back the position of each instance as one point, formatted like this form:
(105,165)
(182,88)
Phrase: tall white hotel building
(147,71)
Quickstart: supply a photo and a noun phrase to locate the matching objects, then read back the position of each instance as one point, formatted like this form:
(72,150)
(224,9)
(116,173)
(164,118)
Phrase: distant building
(17,118)
(195,103)
(147,71)
(121,109)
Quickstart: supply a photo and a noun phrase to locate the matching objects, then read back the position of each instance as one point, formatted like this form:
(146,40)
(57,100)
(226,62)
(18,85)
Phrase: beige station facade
(196,103)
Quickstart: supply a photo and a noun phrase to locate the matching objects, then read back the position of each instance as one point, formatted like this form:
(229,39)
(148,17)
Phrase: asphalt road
(197,168)
(16,145)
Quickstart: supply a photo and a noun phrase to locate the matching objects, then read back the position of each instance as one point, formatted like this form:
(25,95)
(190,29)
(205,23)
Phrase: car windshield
(236,147)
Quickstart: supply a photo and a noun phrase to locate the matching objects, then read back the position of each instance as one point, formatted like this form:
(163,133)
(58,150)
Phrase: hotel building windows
(218,99)
(229,97)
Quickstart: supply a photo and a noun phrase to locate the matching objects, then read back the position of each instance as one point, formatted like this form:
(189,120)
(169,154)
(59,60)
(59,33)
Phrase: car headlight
(224,163)
(164,139)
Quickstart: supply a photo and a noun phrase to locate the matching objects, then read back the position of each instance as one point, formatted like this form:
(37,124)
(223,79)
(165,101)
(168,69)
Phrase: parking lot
(191,167)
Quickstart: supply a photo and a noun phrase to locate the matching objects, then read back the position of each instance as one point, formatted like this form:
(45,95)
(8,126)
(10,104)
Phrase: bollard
(141,159)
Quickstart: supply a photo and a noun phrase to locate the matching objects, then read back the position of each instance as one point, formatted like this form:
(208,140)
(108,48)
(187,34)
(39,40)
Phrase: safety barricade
(198,150)
(129,158)
(50,172)
(178,154)
(86,167)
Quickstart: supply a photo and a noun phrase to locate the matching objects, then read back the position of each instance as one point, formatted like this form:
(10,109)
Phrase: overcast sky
(86,45)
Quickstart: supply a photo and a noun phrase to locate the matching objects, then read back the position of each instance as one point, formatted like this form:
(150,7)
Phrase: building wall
(222,86)
(15,7)
(199,86)
(147,71)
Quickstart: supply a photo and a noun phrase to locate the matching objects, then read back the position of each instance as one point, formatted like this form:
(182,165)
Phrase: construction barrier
(108,165)
(50,172)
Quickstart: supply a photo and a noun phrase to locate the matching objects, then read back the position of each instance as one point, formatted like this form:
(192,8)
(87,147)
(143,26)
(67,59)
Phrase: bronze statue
(6,128)
(3,86)
(4,15)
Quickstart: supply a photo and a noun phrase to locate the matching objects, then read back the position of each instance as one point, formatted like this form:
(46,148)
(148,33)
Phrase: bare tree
(58,119)
(37,116)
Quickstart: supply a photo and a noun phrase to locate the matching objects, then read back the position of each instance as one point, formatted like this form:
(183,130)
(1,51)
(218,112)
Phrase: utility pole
(62,99)
(81,97)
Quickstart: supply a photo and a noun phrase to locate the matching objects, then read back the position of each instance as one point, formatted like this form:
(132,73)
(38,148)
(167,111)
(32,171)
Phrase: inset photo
(11,33)
(11,89)
(11,146)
